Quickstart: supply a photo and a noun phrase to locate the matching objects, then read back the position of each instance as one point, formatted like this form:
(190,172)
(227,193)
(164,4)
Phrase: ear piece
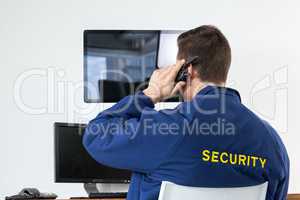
(183,72)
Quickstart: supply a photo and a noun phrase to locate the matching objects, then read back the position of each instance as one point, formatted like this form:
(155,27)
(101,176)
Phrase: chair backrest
(171,191)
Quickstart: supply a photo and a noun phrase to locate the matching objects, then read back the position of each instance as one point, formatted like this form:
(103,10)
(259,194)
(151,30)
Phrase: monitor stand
(90,188)
(105,187)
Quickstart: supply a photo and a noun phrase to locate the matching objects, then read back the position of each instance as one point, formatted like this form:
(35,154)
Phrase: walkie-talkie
(183,72)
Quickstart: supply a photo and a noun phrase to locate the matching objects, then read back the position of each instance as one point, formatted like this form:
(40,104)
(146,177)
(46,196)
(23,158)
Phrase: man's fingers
(175,68)
(178,65)
(172,69)
(178,88)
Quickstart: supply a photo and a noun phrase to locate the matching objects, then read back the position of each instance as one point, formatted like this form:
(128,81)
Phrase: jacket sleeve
(129,135)
(284,171)
(282,189)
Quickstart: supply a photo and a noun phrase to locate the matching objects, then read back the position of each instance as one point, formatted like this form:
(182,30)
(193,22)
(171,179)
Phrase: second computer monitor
(120,62)
(74,164)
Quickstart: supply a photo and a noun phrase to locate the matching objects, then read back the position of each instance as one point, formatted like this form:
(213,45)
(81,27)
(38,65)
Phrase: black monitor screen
(74,164)
(117,62)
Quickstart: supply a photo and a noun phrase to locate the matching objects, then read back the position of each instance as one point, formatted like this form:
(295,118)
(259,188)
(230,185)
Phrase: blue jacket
(211,141)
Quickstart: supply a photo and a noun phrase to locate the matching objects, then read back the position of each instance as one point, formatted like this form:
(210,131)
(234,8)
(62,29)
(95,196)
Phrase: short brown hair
(210,45)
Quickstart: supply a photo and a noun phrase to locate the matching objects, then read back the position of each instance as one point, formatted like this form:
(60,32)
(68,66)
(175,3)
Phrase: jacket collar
(217,90)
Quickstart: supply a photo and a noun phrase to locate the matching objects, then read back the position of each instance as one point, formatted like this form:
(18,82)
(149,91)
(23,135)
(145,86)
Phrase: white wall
(47,36)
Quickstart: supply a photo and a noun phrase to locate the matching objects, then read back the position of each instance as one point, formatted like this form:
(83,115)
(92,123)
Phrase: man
(209,140)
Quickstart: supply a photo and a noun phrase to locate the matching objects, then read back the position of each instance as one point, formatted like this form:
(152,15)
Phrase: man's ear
(192,72)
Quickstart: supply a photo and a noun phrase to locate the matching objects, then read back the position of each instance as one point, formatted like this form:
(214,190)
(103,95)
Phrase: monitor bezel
(57,178)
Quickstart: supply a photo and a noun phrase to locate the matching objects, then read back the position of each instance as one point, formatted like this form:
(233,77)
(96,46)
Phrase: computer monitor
(74,164)
(118,63)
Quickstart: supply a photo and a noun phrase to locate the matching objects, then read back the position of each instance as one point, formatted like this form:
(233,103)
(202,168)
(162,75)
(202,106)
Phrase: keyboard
(108,195)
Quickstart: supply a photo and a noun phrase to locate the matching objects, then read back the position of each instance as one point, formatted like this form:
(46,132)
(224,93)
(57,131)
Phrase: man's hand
(162,83)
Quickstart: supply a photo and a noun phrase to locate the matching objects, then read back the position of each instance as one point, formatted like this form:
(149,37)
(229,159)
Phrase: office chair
(171,191)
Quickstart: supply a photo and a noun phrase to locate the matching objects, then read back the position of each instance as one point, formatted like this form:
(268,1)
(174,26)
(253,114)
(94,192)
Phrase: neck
(196,86)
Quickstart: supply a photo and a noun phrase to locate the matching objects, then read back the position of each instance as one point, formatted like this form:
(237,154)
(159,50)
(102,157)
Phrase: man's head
(213,54)
(210,45)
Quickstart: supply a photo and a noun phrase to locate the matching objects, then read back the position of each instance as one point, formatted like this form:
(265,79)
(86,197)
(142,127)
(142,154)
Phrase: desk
(80,199)
(290,197)
(293,197)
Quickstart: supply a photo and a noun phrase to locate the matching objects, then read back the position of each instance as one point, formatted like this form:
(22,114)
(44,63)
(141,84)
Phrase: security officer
(209,140)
